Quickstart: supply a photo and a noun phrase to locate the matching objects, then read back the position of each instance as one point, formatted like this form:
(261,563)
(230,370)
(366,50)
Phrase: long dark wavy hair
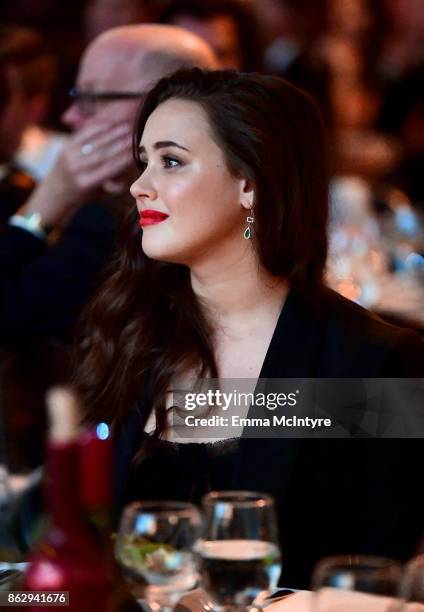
(145,324)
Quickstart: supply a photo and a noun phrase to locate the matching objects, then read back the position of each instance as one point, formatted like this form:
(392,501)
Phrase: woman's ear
(247,194)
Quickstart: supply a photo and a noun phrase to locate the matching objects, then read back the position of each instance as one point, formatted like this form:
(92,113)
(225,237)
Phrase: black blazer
(333,496)
(43,288)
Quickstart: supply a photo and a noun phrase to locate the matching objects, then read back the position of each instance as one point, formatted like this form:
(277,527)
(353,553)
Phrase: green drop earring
(248,231)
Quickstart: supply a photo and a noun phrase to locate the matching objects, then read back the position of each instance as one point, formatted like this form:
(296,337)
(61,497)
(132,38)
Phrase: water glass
(239,549)
(335,577)
(154,546)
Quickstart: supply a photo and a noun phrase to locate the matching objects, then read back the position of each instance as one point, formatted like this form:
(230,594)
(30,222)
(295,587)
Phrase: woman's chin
(160,252)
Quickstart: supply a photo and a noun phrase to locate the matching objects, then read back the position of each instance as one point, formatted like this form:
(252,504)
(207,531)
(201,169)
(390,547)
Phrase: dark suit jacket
(333,496)
(42,289)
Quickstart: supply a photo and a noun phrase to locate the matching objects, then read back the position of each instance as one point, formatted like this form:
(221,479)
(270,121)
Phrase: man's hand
(96,156)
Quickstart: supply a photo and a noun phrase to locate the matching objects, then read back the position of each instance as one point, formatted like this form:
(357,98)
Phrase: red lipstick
(151,217)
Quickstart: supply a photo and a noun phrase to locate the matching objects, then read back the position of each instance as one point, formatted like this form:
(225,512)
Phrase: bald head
(131,59)
(145,53)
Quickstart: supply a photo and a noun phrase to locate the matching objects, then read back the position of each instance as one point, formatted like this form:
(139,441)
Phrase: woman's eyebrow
(162,144)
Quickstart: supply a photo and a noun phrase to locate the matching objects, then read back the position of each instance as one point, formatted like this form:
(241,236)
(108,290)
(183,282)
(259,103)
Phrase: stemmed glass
(154,546)
(334,577)
(239,548)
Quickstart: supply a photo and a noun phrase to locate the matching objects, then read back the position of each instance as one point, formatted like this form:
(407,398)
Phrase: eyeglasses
(88,101)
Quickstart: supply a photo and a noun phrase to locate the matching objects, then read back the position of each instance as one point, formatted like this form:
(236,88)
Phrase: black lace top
(183,471)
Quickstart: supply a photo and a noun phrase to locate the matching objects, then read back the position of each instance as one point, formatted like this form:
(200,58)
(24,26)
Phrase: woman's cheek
(178,195)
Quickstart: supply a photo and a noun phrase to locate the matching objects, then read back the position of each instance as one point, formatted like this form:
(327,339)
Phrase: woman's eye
(142,165)
(170,162)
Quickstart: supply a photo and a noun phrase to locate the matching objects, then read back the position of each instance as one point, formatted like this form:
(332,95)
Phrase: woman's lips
(151,217)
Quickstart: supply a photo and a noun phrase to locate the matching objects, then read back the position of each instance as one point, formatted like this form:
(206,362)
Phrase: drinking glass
(239,549)
(366,575)
(154,546)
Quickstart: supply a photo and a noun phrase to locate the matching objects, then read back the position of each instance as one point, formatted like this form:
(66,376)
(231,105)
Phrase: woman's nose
(143,189)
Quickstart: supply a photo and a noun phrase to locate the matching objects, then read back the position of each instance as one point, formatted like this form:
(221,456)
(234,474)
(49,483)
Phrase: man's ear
(247,193)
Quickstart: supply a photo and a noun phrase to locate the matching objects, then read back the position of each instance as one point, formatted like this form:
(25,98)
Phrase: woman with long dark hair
(225,281)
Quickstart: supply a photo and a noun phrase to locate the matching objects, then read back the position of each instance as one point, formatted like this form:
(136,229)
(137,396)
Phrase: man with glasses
(49,275)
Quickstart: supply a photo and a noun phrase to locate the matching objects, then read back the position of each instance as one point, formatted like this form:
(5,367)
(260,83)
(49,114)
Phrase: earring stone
(248,231)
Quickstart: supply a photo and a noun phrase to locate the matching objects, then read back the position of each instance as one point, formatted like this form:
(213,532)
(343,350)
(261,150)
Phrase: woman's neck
(240,290)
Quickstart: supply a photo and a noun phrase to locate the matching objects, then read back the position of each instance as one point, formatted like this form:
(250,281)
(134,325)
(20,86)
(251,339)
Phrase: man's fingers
(97,154)
(98,129)
(90,179)
(116,146)
(102,155)
(103,138)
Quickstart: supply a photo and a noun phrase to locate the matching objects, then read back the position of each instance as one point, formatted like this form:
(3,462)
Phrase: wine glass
(239,549)
(335,578)
(154,546)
